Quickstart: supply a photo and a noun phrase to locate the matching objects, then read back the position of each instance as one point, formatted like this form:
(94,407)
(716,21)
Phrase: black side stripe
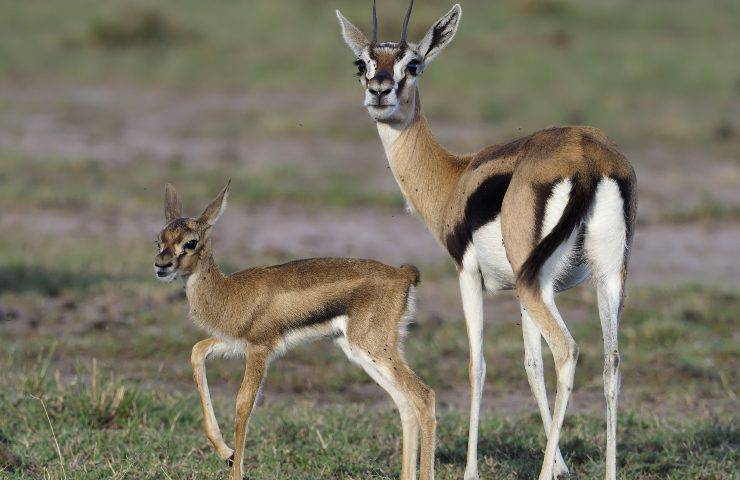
(324,314)
(483,206)
(582,194)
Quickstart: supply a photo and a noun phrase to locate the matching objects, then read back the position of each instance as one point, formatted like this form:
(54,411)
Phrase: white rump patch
(606,232)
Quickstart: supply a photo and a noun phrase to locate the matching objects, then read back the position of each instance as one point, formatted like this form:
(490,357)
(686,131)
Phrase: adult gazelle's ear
(353,37)
(440,34)
(172,204)
(216,208)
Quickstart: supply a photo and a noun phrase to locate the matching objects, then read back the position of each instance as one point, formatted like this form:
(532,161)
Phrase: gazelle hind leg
(409,417)
(606,246)
(540,305)
(536,376)
(609,294)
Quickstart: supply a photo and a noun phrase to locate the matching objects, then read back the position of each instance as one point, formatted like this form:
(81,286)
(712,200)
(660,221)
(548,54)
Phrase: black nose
(166,265)
(380,93)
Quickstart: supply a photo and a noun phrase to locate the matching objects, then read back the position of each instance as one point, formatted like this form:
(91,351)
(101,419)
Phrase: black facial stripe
(483,206)
(401,84)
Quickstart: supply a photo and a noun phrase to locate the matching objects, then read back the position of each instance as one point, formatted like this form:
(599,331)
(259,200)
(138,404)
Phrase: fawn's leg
(422,398)
(257,357)
(409,420)
(201,351)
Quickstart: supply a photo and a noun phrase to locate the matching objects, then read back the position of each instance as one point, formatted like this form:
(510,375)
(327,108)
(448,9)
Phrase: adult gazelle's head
(388,71)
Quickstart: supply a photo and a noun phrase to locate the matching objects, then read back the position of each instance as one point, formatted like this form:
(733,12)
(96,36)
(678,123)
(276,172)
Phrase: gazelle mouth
(165,275)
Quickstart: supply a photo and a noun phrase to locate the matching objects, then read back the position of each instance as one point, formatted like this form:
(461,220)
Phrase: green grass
(640,71)
(117,431)
(73,184)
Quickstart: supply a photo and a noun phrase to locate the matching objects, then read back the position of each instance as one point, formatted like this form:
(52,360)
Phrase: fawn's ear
(353,37)
(216,208)
(172,204)
(440,34)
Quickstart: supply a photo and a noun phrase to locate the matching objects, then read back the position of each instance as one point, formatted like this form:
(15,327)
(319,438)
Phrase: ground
(101,104)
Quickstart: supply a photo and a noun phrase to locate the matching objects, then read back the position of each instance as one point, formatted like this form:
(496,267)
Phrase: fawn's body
(363,305)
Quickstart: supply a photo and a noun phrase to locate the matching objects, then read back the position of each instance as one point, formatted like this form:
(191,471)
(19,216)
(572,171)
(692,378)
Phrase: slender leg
(609,293)
(200,352)
(540,306)
(472,300)
(409,420)
(256,368)
(536,376)
(423,399)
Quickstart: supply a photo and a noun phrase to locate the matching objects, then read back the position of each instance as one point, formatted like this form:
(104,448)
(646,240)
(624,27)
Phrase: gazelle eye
(191,245)
(361,67)
(413,67)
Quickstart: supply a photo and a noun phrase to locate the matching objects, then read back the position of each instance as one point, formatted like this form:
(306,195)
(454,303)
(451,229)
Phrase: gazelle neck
(424,170)
(204,286)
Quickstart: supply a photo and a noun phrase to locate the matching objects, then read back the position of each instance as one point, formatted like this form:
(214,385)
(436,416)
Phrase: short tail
(412,272)
(582,194)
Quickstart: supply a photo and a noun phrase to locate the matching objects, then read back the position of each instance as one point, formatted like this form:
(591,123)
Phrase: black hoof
(230,461)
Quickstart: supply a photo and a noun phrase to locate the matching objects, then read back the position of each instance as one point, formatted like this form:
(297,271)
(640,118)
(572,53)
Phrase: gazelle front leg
(471,292)
(201,351)
(536,376)
(257,357)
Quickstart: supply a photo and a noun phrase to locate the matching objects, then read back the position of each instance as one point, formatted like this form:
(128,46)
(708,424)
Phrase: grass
(131,188)
(116,431)
(640,72)
(80,191)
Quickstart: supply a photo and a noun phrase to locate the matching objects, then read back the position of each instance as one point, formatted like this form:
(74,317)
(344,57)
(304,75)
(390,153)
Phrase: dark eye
(191,245)
(361,67)
(413,67)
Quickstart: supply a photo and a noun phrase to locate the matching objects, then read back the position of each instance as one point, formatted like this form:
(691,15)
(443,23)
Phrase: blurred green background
(102,102)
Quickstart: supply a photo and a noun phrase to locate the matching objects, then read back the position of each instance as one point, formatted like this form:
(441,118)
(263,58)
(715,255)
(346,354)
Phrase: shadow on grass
(51,282)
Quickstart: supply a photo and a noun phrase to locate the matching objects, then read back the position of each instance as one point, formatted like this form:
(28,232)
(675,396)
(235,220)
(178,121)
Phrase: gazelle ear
(172,204)
(353,37)
(440,34)
(216,208)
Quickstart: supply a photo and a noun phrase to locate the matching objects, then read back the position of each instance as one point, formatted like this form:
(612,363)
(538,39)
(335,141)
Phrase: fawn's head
(182,241)
(388,71)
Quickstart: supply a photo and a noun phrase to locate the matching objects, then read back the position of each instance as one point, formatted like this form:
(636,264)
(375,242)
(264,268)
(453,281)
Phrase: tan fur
(257,309)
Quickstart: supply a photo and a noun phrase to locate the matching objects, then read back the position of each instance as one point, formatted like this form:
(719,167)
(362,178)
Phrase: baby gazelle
(261,312)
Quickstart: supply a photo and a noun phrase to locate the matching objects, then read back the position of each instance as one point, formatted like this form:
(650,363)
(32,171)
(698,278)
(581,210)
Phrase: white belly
(491,255)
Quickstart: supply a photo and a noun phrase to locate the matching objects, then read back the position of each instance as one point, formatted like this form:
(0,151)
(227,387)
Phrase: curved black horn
(375,24)
(406,22)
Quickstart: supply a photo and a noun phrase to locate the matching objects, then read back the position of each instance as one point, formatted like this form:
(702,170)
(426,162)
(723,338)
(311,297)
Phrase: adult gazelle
(539,214)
